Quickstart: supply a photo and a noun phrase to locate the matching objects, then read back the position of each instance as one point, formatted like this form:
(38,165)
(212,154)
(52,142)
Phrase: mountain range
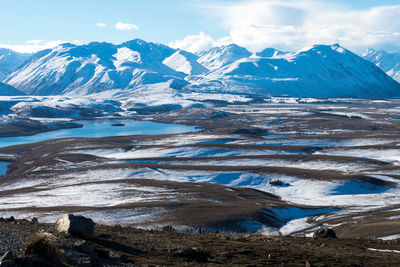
(10,61)
(388,62)
(317,71)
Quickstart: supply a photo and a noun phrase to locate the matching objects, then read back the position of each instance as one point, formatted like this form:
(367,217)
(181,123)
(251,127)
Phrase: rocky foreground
(71,242)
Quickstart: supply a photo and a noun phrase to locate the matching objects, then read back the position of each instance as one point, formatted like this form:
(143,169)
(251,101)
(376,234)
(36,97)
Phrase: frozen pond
(101,128)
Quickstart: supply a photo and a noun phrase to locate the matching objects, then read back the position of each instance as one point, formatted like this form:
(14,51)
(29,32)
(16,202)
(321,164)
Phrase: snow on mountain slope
(185,62)
(319,71)
(218,57)
(388,62)
(10,61)
(7,90)
(270,52)
(95,67)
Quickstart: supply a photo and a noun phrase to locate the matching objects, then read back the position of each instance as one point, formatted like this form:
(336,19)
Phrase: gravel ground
(126,246)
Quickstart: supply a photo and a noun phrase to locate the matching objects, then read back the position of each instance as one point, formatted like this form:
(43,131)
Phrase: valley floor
(285,167)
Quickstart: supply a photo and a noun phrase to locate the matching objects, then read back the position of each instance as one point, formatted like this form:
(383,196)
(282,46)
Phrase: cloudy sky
(29,26)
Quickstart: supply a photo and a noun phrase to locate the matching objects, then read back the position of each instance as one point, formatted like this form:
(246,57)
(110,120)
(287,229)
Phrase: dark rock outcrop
(76,226)
(191,254)
(325,233)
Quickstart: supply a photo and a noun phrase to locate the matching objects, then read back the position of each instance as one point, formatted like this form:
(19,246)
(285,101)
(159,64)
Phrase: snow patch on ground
(389,237)
(387,155)
(384,250)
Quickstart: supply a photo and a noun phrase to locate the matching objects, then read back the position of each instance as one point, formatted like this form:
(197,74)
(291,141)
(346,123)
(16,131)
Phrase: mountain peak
(10,61)
(221,56)
(269,52)
(317,71)
(139,43)
(323,48)
(387,61)
(185,62)
(368,51)
(67,45)
(94,67)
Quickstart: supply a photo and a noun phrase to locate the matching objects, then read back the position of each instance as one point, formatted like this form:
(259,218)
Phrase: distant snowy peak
(7,90)
(317,71)
(388,62)
(218,57)
(95,67)
(10,61)
(185,62)
(270,52)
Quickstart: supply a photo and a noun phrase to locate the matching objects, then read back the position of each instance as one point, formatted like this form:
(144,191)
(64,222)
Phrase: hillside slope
(96,67)
(10,61)
(7,90)
(319,71)
(388,62)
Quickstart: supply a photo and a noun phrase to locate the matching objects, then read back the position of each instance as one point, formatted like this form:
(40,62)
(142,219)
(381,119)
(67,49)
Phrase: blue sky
(159,20)
(196,25)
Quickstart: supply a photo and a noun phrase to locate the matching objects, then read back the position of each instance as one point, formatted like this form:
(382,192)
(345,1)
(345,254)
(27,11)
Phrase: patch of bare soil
(126,246)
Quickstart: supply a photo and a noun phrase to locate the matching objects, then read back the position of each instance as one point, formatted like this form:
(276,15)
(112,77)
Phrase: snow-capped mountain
(218,57)
(8,90)
(185,62)
(270,52)
(388,62)
(10,61)
(95,67)
(319,71)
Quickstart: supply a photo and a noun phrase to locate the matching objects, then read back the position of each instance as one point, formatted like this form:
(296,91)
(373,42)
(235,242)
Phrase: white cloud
(34,41)
(33,46)
(291,25)
(101,25)
(199,42)
(126,26)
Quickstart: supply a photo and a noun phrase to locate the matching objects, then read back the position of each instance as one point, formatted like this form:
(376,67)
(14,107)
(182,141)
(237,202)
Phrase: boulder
(43,245)
(191,254)
(168,229)
(324,233)
(11,219)
(76,226)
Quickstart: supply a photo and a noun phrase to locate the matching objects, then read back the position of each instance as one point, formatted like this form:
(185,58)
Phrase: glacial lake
(101,128)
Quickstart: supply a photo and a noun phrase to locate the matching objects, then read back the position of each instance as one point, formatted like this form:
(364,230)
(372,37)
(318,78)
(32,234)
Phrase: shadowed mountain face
(8,90)
(318,71)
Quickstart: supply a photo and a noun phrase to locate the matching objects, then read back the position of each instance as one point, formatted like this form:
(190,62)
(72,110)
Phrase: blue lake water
(359,187)
(3,168)
(101,128)
(286,214)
